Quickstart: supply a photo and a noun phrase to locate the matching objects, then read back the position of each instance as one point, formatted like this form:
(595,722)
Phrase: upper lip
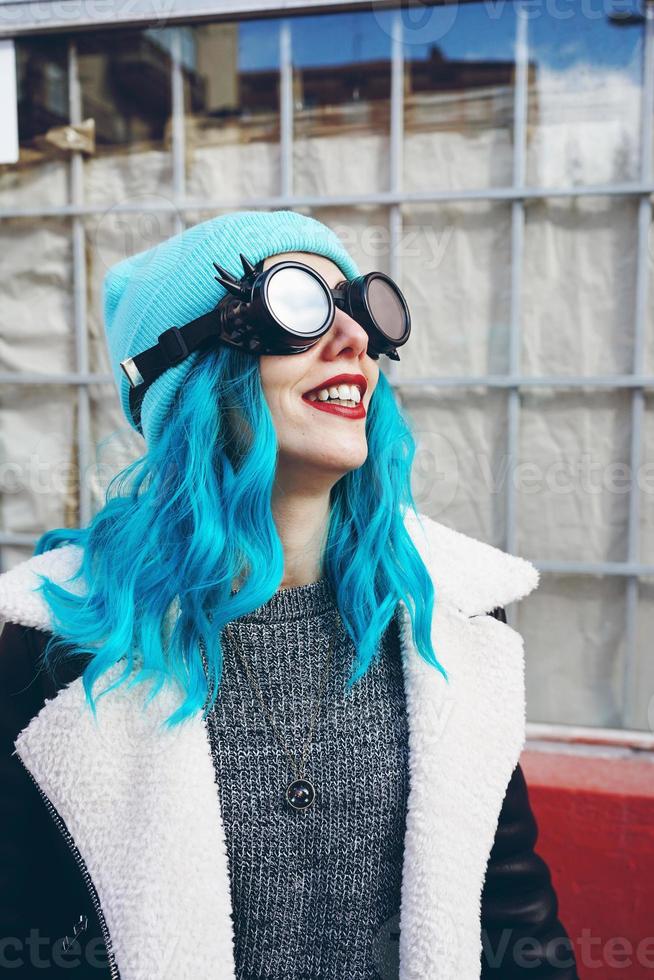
(342,379)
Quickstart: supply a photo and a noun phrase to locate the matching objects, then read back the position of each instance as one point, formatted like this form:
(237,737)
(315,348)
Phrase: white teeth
(346,393)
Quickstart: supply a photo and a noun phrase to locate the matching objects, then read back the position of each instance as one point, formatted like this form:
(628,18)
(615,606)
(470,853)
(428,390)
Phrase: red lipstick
(357,412)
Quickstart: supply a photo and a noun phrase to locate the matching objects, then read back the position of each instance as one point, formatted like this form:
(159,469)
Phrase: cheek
(277,377)
(282,399)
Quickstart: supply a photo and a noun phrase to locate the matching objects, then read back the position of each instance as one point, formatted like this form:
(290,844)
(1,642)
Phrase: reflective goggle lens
(387,310)
(298,300)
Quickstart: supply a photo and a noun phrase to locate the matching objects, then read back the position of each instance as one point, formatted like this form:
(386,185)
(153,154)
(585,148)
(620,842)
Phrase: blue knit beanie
(173,282)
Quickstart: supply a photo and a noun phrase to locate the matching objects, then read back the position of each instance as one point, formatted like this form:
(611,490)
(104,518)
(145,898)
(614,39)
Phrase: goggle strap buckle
(173,345)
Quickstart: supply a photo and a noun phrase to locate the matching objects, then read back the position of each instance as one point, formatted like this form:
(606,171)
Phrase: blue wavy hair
(193,514)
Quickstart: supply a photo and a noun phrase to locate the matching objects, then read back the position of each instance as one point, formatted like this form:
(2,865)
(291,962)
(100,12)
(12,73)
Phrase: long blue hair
(193,514)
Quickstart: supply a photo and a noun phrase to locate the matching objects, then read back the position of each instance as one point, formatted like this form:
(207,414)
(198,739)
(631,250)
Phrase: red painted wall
(596,831)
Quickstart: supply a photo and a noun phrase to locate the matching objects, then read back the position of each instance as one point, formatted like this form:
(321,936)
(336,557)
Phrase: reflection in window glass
(231,94)
(126,88)
(584,98)
(39,177)
(458,97)
(341,93)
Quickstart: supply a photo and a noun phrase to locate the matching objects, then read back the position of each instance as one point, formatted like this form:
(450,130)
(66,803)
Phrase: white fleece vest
(143,806)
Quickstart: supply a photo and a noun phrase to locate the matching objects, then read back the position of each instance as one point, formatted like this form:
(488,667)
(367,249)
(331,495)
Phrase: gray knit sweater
(315,893)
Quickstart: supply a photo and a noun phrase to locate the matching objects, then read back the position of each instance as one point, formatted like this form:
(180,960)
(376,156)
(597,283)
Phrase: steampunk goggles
(285,309)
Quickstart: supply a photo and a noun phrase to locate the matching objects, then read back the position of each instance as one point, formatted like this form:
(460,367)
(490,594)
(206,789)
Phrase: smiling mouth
(342,394)
(343,387)
(336,408)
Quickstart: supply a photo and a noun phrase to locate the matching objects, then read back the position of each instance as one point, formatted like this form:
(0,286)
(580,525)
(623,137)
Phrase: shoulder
(21,692)
(26,683)
(471,574)
(20,600)
(25,629)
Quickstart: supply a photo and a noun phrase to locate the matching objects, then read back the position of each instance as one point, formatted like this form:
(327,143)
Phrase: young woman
(261,718)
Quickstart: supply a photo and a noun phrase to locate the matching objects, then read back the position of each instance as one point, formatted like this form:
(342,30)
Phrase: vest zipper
(81,864)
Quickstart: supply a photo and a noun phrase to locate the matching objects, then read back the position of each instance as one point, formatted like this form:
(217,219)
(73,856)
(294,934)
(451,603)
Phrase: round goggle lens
(387,310)
(298,301)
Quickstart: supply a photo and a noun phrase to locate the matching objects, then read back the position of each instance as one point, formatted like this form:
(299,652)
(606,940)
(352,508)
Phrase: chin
(337,465)
(340,460)
(345,462)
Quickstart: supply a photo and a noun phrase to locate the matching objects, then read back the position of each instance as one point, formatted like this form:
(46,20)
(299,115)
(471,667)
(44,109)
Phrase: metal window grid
(637,382)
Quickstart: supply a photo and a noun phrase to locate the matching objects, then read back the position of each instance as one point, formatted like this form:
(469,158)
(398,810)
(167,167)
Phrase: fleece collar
(467,573)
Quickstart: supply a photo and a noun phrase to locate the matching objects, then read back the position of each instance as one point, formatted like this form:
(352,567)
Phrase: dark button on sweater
(315,893)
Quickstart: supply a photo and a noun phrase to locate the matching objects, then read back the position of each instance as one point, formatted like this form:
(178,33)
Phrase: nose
(345,336)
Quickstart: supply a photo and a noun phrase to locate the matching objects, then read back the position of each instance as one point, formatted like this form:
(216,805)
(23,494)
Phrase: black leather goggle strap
(173,346)
(176,343)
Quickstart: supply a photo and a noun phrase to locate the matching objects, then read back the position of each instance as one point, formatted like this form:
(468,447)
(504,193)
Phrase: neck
(302,520)
(301,512)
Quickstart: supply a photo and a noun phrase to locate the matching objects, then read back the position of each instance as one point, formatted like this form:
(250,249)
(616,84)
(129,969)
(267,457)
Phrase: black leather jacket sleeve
(17,800)
(522,935)
(42,891)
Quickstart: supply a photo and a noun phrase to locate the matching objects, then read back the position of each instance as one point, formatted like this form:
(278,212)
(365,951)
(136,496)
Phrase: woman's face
(314,442)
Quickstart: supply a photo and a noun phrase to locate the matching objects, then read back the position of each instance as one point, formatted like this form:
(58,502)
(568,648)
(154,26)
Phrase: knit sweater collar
(297,602)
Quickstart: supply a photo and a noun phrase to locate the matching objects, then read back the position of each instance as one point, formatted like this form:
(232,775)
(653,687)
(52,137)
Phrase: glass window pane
(114,444)
(195,216)
(643,707)
(585,71)
(126,89)
(40,176)
(36,313)
(579,283)
(456,276)
(573,628)
(364,231)
(231,97)
(645,483)
(12,555)
(573,476)
(460,434)
(649,310)
(110,237)
(341,92)
(458,96)
(39,488)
